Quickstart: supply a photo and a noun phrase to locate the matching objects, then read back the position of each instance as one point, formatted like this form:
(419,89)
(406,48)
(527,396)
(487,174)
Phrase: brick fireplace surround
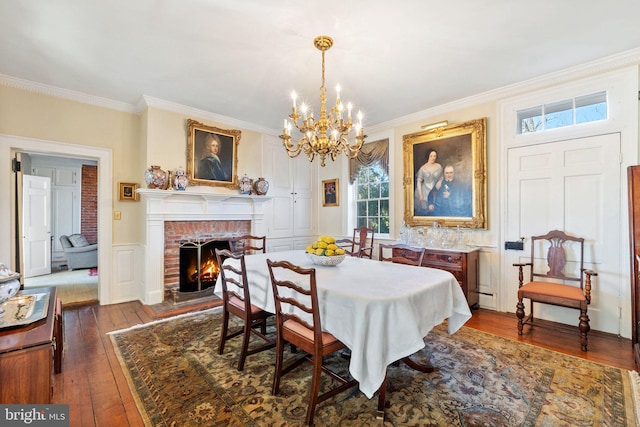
(176,232)
(197,213)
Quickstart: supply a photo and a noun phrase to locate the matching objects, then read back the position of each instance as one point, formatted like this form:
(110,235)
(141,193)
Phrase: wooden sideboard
(31,354)
(463,264)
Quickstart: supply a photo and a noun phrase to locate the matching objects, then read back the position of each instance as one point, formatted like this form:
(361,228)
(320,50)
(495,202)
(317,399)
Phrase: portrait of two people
(443,188)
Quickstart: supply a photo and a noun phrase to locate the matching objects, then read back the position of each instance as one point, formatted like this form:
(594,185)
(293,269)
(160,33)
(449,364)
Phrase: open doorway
(9,249)
(69,226)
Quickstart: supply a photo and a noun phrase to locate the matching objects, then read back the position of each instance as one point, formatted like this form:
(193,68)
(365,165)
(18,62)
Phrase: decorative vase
(261,186)
(245,185)
(180,180)
(155,177)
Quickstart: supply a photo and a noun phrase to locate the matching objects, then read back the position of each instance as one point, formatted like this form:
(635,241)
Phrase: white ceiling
(243,58)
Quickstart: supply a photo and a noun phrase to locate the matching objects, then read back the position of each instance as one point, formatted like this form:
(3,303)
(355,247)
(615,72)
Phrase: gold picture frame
(127,191)
(206,167)
(331,192)
(460,151)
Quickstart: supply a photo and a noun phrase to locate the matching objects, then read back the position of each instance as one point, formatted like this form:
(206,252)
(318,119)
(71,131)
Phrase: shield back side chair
(557,278)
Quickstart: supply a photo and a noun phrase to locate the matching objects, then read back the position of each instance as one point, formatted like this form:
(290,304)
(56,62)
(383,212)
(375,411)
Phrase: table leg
(425,367)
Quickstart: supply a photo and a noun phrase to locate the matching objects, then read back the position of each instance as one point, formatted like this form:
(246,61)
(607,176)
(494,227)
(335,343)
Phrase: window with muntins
(568,112)
(372,199)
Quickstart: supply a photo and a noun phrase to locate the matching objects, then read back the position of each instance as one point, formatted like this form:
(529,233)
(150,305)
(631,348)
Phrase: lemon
(340,251)
(332,246)
(322,245)
(315,245)
(328,239)
(329,252)
(310,249)
(319,252)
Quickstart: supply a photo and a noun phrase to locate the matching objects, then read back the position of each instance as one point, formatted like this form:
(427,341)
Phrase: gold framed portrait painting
(212,155)
(330,192)
(445,176)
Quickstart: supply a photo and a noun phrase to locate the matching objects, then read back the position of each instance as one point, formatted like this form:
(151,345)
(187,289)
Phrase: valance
(370,154)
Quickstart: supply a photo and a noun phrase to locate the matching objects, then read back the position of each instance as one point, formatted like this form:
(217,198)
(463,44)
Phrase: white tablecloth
(380,310)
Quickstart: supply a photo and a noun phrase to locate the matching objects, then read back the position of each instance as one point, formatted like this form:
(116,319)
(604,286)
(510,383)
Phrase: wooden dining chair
(237,301)
(361,245)
(292,298)
(400,253)
(248,244)
(551,283)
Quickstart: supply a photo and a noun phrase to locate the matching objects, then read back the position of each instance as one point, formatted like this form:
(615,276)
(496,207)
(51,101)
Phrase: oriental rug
(178,379)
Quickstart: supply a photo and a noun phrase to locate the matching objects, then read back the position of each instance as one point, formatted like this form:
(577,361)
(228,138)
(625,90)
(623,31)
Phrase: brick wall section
(89,203)
(184,231)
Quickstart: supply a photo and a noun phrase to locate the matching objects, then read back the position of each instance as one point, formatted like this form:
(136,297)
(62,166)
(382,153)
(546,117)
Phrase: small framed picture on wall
(330,192)
(128,191)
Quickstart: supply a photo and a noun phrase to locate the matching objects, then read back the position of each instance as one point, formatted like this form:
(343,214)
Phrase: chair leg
(225,330)
(314,389)
(278,368)
(584,328)
(520,314)
(245,343)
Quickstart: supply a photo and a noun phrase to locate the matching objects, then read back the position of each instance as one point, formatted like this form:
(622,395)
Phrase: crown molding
(609,63)
(72,95)
(599,66)
(149,101)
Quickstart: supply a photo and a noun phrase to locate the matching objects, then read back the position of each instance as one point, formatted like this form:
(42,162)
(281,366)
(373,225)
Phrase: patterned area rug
(177,378)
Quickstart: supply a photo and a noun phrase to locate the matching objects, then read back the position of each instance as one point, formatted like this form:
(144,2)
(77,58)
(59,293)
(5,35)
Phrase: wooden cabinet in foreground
(31,354)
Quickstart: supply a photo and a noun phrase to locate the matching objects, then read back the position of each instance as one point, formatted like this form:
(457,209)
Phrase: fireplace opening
(198,265)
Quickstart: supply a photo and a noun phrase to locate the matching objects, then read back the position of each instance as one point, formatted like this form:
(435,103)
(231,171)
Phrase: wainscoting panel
(127,273)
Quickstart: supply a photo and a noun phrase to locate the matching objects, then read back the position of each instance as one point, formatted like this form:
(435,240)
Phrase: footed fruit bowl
(326,260)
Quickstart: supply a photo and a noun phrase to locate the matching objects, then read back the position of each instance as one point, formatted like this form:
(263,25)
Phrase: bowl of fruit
(324,251)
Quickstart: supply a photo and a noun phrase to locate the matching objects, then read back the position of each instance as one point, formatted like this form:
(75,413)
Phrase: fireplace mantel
(192,205)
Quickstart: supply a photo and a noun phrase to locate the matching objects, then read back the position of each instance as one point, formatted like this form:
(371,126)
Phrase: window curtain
(370,154)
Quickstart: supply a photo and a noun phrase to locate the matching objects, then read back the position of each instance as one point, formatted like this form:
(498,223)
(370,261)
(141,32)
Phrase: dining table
(381,311)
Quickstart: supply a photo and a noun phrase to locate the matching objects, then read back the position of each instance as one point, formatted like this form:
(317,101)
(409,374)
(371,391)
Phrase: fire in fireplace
(198,266)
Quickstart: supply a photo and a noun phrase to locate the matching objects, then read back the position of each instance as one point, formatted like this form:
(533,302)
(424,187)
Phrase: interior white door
(36,223)
(291,192)
(575,186)
(277,167)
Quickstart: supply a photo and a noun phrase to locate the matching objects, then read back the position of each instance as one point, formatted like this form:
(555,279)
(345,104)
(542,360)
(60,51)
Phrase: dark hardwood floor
(94,386)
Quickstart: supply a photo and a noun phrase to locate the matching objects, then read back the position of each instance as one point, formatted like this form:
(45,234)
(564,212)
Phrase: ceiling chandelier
(329,134)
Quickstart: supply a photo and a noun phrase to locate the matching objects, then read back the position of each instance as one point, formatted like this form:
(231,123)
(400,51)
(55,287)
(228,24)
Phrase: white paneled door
(36,225)
(575,186)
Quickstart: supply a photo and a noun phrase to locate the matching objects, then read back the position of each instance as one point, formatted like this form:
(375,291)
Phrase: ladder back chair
(550,282)
(361,245)
(248,244)
(295,299)
(400,253)
(237,301)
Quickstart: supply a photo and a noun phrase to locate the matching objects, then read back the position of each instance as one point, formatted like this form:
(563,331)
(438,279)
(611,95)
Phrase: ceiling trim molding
(610,63)
(149,101)
(72,95)
(602,65)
